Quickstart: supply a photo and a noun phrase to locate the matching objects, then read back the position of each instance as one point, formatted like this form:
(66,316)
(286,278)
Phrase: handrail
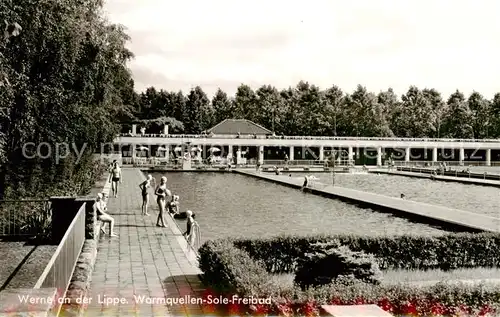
(60,269)
(197,136)
(49,266)
(24,200)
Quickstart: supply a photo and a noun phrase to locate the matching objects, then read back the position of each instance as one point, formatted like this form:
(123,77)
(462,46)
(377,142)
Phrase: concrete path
(463,180)
(144,262)
(400,206)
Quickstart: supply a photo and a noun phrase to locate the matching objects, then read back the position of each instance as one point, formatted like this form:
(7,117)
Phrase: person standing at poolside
(145,186)
(190,234)
(162,193)
(115,177)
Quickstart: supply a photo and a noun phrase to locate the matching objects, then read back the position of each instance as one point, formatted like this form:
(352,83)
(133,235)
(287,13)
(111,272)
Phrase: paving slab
(146,268)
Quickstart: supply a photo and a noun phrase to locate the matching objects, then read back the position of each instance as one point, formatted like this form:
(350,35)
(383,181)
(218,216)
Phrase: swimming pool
(473,198)
(233,205)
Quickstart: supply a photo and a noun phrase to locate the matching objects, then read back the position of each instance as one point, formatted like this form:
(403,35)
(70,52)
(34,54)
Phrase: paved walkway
(455,216)
(144,261)
(463,180)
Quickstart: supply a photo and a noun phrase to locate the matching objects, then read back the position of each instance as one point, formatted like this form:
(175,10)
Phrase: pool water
(233,205)
(473,198)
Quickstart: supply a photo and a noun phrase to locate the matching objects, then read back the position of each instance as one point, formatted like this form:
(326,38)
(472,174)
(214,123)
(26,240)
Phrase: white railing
(460,172)
(448,163)
(60,269)
(235,136)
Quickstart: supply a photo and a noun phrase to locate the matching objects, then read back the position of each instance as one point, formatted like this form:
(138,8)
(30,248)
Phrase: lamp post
(274,113)
(334,154)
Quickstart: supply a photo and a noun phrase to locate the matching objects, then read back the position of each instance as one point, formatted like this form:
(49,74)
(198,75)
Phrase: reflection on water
(236,205)
(473,198)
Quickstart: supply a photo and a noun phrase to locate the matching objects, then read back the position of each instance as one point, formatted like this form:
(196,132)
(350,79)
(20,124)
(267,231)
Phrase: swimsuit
(145,189)
(161,191)
(116,175)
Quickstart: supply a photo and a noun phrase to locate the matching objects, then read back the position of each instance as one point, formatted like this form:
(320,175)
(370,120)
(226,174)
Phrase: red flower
(309,309)
(285,309)
(208,307)
(233,309)
(261,310)
(359,301)
(438,309)
(386,305)
(464,310)
(486,310)
(335,301)
(409,309)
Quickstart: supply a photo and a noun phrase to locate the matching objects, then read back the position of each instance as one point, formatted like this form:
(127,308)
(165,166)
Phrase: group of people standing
(165,205)
(161,192)
(162,199)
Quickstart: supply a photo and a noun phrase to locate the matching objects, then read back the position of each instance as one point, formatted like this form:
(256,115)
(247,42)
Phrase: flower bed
(246,268)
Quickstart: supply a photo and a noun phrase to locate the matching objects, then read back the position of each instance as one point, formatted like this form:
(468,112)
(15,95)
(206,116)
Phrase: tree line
(63,81)
(307,110)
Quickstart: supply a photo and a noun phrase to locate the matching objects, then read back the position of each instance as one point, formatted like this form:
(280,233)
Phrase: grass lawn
(413,276)
(395,276)
(22,264)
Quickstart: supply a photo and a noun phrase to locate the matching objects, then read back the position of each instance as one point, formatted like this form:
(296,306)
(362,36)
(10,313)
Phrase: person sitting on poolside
(104,201)
(174,205)
(100,209)
(306,182)
(277,171)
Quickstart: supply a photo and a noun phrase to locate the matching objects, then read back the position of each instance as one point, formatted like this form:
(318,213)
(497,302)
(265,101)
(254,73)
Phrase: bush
(446,252)
(232,271)
(329,262)
(26,218)
(229,270)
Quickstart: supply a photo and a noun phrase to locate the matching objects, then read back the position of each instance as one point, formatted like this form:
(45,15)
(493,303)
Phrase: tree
(480,108)
(196,101)
(269,108)
(368,114)
(313,107)
(439,109)
(245,103)
(222,106)
(458,121)
(291,112)
(495,116)
(335,101)
(415,117)
(68,82)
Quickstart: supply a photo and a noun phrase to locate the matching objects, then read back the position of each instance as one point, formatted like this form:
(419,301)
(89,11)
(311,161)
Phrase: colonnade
(321,157)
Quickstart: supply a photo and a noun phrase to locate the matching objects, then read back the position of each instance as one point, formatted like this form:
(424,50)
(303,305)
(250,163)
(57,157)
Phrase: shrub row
(450,251)
(229,270)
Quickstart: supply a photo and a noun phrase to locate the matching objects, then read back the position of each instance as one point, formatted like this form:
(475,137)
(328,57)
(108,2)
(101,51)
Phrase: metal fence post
(64,211)
(90,216)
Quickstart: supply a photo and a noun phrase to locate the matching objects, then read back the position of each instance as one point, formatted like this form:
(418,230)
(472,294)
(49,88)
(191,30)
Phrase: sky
(440,44)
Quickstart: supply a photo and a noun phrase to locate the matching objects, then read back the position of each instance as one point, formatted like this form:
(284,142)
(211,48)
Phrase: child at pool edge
(174,205)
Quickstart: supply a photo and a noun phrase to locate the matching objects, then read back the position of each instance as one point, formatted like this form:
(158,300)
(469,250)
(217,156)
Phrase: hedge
(229,270)
(450,251)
